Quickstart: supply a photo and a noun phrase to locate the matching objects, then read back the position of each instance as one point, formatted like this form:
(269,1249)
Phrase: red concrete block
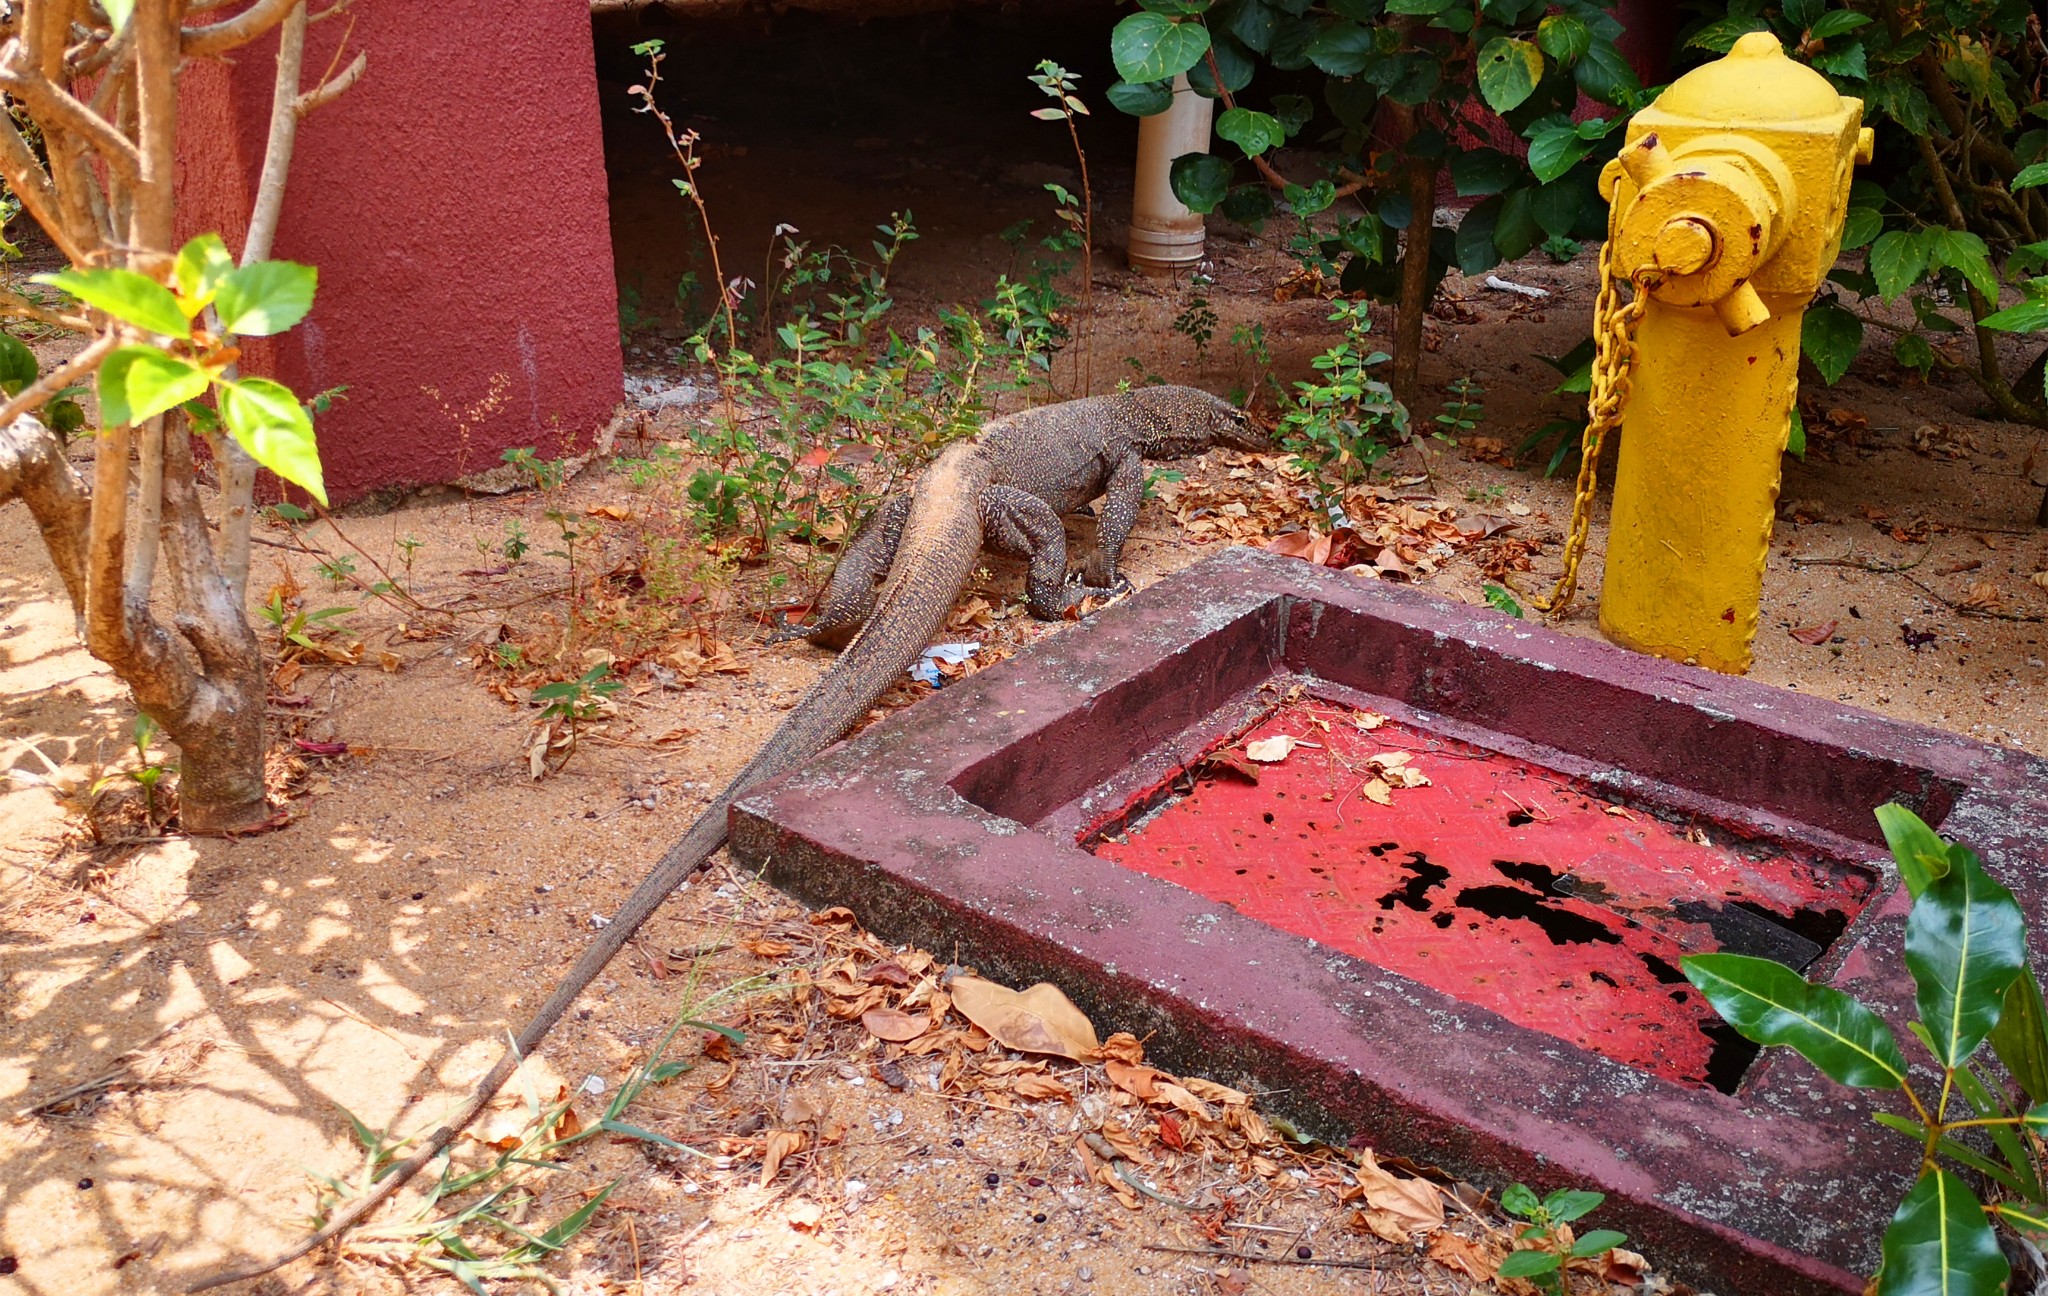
(454,201)
(958,825)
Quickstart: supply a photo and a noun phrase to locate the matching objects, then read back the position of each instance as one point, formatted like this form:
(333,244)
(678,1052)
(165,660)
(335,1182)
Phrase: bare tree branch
(148,513)
(56,108)
(333,88)
(58,379)
(34,470)
(220,37)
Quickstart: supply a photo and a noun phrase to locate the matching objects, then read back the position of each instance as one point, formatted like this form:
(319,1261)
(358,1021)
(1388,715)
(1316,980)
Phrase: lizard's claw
(792,630)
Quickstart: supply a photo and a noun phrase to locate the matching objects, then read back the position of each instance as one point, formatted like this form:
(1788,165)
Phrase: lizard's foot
(1078,588)
(788,632)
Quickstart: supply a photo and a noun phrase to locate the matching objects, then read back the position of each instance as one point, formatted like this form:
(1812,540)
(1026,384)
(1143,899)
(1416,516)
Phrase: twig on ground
(1313,1262)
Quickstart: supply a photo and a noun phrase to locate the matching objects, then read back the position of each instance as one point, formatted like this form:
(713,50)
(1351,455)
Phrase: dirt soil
(221,1006)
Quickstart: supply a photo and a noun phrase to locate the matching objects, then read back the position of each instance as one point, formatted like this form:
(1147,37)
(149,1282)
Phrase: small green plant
(1154,476)
(1966,949)
(146,774)
(507,656)
(1059,84)
(1197,320)
(515,543)
(1343,422)
(1501,601)
(1486,496)
(1249,339)
(408,549)
(338,570)
(296,627)
(566,705)
(470,1224)
(545,474)
(1462,410)
(1552,1246)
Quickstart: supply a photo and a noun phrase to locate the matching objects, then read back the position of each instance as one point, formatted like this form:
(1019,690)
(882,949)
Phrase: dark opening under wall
(830,125)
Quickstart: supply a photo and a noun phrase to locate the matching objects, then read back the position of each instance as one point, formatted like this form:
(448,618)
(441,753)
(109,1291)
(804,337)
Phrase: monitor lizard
(1006,487)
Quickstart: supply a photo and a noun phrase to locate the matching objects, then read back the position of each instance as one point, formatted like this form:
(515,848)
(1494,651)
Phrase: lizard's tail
(941,540)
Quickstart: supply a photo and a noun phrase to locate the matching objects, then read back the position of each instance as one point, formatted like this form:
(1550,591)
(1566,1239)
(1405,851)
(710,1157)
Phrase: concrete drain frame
(957,827)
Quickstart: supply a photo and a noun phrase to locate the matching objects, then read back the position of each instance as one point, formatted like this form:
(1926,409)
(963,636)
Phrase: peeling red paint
(1500,883)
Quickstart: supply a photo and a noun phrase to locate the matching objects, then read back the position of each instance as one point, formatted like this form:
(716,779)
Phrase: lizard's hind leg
(1022,525)
(850,595)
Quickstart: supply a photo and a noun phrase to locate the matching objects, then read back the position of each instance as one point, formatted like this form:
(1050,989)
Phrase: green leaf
(1913,352)
(127,296)
(1603,73)
(268,422)
(1949,1148)
(1861,225)
(1200,180)
(1897,260)
(1519,1199)
(1231,59)
(1514,232)
(558,1237)
(1556,207)
(202,264)
(139,382)
(1920,854)
(1527,1264)
(1555,151)
(1508,72)
(265,298)
(1153,47)
(1254,24)
(1836,22)
(1847,62)
(1721,36)
(2021,1037)
(1831,337)
(1795,435)
(1940,1244)
(1965,253)
(1568,1204)
(2029,176)
(1564,37)
(1598,1242)
(2028,1217)
(1476,253)
(18,367)
(1965,943)
(1769,1003)
(1475,173)
(2027,317)
(1254,132)
(1341,48)
(1140,98)
(1501,601)
(2006,1138)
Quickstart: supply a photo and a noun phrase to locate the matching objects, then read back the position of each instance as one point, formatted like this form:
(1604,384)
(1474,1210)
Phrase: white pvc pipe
(1165,235)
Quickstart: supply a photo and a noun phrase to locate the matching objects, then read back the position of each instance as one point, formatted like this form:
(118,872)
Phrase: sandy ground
(371,957)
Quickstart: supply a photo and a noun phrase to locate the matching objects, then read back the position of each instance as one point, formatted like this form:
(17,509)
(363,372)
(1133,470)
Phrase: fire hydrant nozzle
(1729,196)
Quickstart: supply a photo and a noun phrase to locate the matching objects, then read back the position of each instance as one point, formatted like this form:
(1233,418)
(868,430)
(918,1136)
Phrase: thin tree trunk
(1415,293)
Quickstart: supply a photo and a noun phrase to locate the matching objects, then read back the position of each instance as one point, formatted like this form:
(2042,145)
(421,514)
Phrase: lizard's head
(1189,421)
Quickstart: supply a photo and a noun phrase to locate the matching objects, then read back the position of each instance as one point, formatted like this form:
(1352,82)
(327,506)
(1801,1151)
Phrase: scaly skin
(1008,486)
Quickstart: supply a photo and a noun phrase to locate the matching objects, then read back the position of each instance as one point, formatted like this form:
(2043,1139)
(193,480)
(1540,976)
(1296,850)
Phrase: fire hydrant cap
(1754,83)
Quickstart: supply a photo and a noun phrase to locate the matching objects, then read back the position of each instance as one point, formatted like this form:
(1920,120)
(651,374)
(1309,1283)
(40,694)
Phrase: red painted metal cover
(1493,880)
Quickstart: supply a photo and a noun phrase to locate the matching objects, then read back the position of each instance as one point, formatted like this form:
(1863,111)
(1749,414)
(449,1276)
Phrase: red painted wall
(454,201)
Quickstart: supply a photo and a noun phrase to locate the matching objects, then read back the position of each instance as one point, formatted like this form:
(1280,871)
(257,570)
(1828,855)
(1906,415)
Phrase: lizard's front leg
(1121,497)
(1022,525)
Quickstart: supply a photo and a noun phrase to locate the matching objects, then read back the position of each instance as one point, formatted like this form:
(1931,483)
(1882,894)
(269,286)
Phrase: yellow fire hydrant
(1728,201)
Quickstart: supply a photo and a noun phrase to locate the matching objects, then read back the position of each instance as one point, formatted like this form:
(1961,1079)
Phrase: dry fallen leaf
(805,1216)
(1463,1255)
(1138,1081)
(1982,595)
(1038,1020)
(2040,578)
(1816,635)
(1268,750)
(1397,1209)
(893,1026)
(781,1145)
(1625,1267)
